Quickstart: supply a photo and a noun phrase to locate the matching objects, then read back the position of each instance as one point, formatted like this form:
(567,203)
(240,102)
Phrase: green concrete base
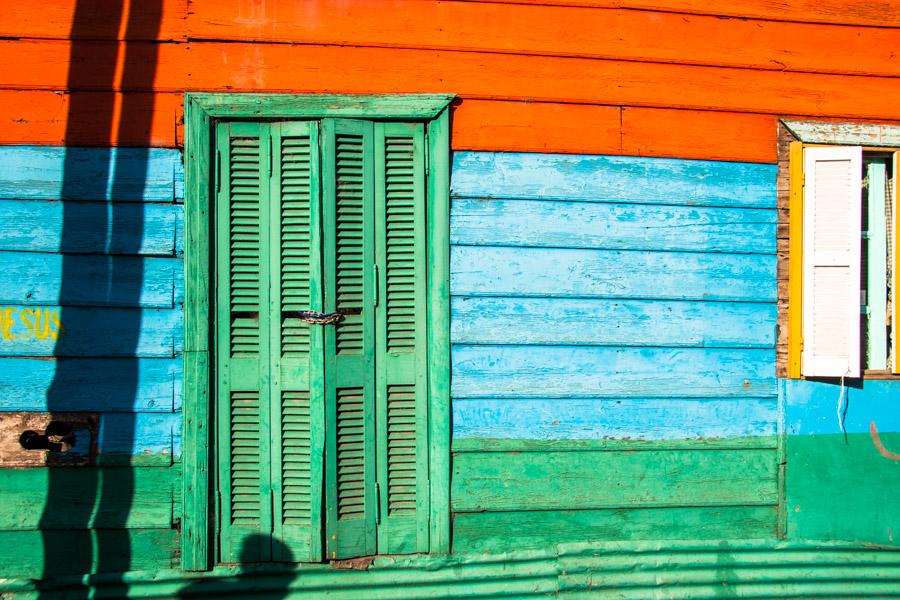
(697,570)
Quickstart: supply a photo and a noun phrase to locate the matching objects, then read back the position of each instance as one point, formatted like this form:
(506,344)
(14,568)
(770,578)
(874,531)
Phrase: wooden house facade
(449,298)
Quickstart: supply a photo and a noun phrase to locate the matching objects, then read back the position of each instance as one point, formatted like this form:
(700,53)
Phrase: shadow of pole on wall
(89,533)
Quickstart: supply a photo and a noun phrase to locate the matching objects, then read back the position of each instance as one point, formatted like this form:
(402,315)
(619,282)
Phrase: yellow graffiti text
(29,324)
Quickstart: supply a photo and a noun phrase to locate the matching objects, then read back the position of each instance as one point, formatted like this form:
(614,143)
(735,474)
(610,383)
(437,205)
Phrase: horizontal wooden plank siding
(105,280)
(617,419)
(210,66)
(139,497)
(91,331)
(497,531)
(92,384)
(565,224)
(91,328)
(121,174)
(605,322)
(613,330)
(613,179)
(147,549)
(558,480)
(91,227)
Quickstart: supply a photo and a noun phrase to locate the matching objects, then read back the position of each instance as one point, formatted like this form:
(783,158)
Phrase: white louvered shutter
(831,261)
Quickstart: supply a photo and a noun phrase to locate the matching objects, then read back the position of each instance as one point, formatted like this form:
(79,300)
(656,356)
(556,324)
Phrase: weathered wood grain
(552,30)
(500,481)
(225,66)
(505,271)
(36,279)
(841,12)
(49,117)
(95,385)
(163,20)
(554,321)
(596,371)
(51,173)
(91,332)
(613,179)
(561,224)
(495,532)
(613,419)
(91,227)
(141,497)
(97,550)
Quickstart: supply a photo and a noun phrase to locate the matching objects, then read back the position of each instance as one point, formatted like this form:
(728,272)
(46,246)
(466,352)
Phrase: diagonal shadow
(95,537)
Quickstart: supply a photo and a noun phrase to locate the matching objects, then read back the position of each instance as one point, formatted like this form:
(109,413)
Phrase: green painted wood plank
(438,291)
(497,533)
(410,107)
(503,481)
(43,554)
(96,498)
(195,538)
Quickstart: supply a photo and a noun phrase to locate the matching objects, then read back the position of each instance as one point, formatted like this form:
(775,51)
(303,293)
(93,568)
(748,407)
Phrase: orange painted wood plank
(553,30)
(216,66)
(699,134)
(97,118)
(536,127)
(97,19)
(882,13)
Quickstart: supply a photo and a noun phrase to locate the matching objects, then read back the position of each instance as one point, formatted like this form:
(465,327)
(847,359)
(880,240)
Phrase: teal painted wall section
(91,322)
(613,328)
(843,485)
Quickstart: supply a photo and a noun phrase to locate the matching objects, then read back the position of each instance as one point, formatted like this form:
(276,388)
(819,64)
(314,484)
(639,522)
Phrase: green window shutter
(242,386)
(348,199)
(400,334)
(295,357)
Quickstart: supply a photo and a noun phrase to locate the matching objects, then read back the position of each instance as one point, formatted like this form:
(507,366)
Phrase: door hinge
(218,171)
(271,158)
(375,276)
(377,503)
(427,157)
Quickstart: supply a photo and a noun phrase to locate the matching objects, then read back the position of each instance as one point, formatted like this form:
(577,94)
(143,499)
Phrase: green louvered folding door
(400,334)
(270,433)
(321,428)
(348,199)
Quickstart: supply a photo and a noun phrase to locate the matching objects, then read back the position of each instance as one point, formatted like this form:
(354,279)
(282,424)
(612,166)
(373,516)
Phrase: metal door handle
(311,316)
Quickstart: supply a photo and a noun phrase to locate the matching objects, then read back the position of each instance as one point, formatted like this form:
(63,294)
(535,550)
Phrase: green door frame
(201,111)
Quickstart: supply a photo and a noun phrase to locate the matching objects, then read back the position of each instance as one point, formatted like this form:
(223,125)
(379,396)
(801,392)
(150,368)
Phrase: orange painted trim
(553,31)
(218,66)
(859,12)
(41,117)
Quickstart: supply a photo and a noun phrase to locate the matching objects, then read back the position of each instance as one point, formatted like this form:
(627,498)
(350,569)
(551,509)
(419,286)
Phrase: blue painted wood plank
(179,229)
(613,418)
(550,321)
(597,371)
(57,172)
(89,331)
(35,278)
(140,434)
(89,227)
(90,384)
(563,224)
(504,271)
(613,179)
(811,406)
